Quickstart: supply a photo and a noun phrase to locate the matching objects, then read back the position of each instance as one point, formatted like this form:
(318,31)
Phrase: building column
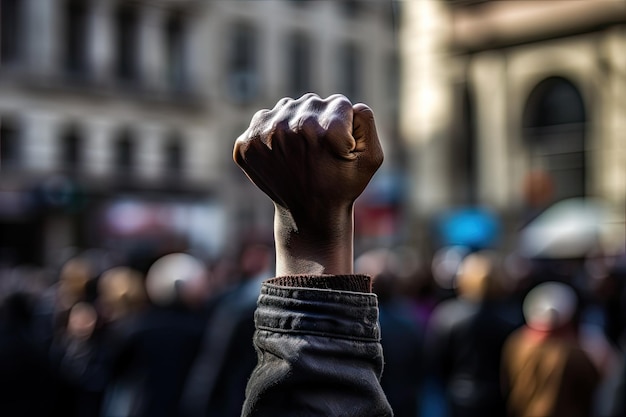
(426,103)
(198,40)
(152,65)
(39,142)
(41,25)
(101,43)
(612,166)
(150,162)
(609,157)
(98,147)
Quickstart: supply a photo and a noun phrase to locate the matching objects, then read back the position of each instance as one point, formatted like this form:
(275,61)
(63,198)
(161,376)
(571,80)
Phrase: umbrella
(571,228)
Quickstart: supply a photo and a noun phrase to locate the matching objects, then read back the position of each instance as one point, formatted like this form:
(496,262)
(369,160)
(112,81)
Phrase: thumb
(365,134)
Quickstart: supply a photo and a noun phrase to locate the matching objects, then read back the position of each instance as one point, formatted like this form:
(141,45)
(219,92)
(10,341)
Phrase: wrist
(323,245)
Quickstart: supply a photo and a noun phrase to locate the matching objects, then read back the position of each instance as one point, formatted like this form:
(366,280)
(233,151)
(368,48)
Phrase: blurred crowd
(113,336)
(481,334)
(465,332)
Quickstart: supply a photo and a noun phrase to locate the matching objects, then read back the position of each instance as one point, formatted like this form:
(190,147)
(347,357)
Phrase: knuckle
(309,96)
(259,117)
(338,100)
(312,99)
(283,102)
(278,125)
(309,124)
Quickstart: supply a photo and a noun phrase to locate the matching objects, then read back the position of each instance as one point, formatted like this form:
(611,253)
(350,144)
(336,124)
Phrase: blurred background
(118,117)
(503,125)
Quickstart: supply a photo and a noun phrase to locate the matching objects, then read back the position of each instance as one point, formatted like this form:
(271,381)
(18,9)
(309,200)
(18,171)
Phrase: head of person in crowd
(81,321)
(550,307)
(394,271)
(256,260)
(74,276)
(121,292)
(479,277)
(177,279)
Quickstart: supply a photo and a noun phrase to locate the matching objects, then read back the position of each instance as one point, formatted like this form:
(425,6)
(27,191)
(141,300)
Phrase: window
(464,160)
(349,72)
(299,65)
(10,30)
(394,12)
(176,54)
(393,80)
(300,3)
(351,8)
(127,66)
(75,37)
(243,82)
(174,156)
(70,148)
(554,130)
(124,153)
(9,145)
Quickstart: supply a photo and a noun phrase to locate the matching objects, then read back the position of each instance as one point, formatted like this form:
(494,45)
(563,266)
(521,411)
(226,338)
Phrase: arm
(313,158)
(317,334)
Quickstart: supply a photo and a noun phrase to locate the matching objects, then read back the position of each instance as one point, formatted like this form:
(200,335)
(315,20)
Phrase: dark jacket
(158,352)
(28,383)
(465,343)
(217,382)
(319,350)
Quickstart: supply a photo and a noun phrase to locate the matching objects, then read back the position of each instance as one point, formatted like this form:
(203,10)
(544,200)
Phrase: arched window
(71,150)
(299,65)
(127,45)
(75,30)
(349,71)
(554,130)
(175,36)
(10,152)
(174,156)
(11,31)
(243,71)
(124,149)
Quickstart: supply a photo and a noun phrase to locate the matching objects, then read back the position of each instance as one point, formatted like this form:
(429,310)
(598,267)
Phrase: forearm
(325,247)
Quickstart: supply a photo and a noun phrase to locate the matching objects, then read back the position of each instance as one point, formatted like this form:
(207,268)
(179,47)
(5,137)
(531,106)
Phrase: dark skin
(313,157)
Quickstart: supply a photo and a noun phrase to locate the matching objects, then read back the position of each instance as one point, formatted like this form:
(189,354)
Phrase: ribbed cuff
(318,311)
(353,283)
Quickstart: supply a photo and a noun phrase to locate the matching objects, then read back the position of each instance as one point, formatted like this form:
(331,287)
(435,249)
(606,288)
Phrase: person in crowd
(217,383)
(28,383)
(401,335)
(619,401)
(317,335)
(75,278)
(78,355)
(121,300)
(465,339)
(121,293)
(546,370)
(158,350)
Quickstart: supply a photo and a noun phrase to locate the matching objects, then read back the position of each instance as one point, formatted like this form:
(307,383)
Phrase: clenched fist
(313,157)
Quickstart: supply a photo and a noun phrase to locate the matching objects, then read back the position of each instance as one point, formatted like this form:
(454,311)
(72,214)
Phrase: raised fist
(311,155)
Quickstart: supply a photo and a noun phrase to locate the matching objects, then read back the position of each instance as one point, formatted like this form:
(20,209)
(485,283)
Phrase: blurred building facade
(117,117)
(496,90)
